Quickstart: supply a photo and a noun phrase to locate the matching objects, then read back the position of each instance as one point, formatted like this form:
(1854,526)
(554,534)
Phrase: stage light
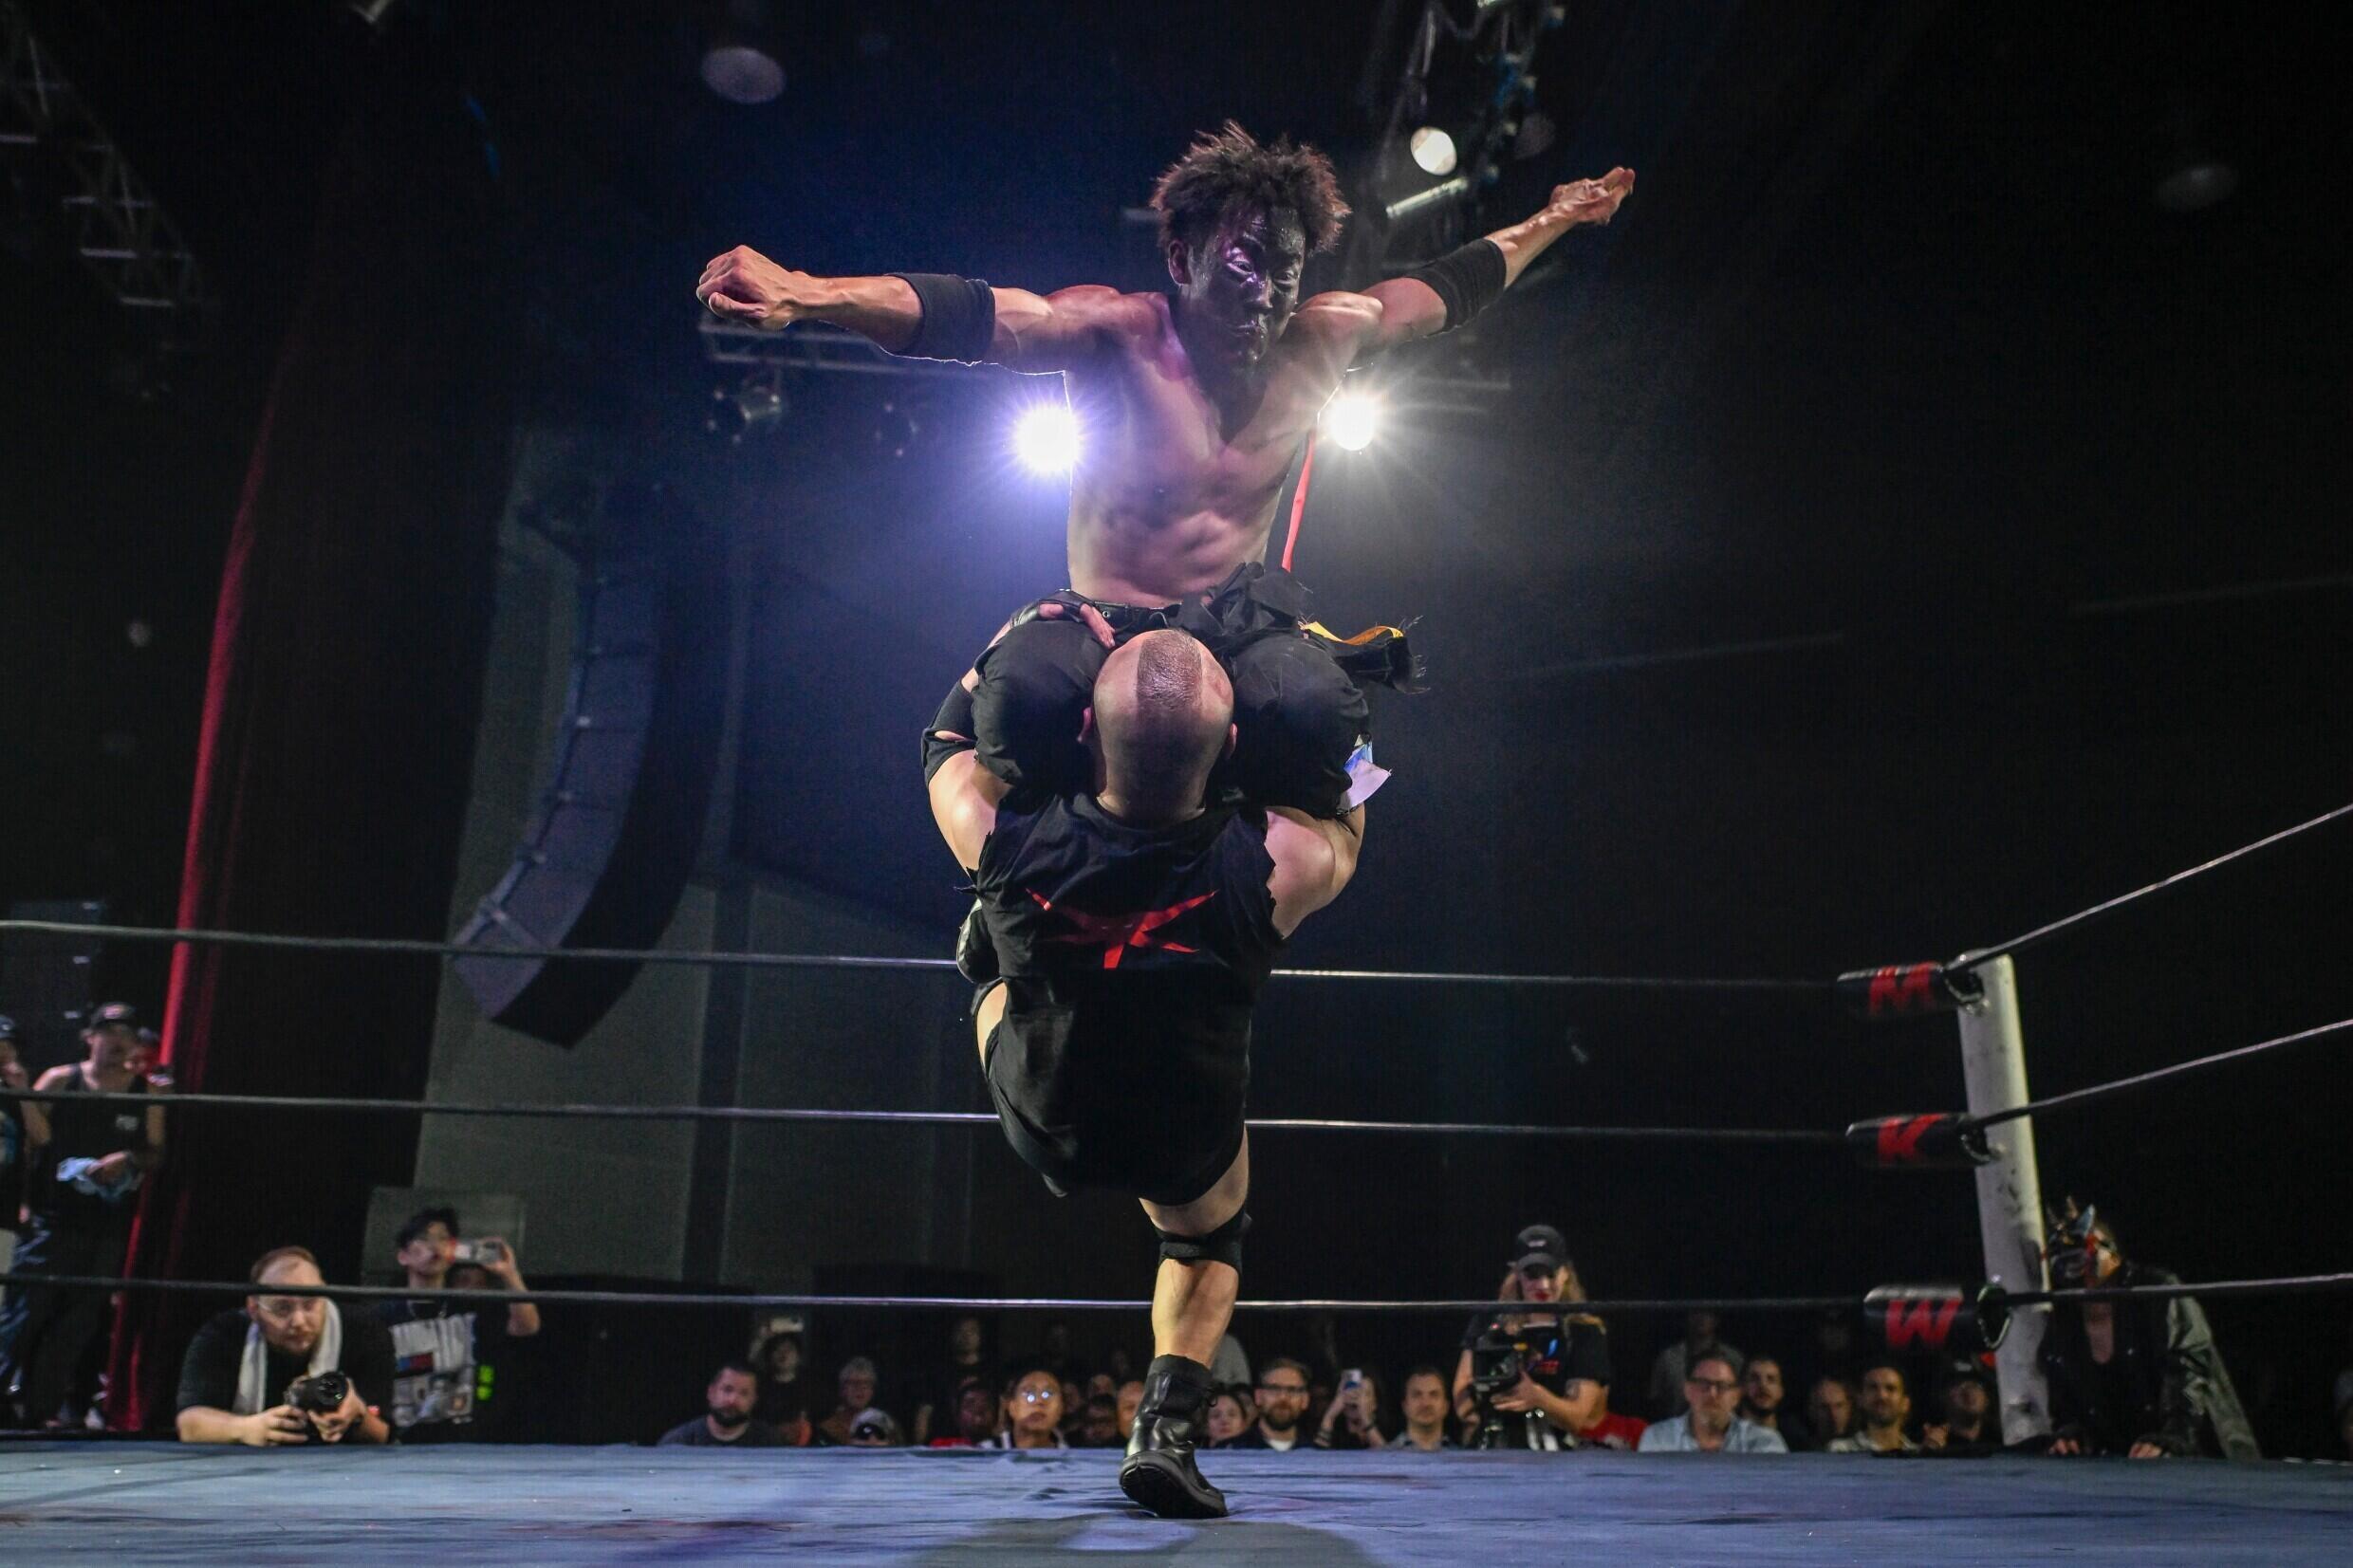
(1351,420)
(1433,150)
(1046,438)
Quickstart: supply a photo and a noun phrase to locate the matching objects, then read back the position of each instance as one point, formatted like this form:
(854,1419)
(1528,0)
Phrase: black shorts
(1169,1145)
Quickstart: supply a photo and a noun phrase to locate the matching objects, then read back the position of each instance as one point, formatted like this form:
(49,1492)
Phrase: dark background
(1900,532)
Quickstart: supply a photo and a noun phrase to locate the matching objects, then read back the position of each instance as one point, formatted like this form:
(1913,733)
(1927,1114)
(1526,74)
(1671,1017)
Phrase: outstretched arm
(1400,310)
(1033,332)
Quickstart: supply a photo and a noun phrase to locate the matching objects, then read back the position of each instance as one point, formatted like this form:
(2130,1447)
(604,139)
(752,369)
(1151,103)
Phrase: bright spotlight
(1433,150)
(1046,438)
(1351,420)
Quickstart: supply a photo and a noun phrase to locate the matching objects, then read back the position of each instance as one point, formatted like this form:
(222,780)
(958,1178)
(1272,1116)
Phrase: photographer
(1352,1420)
(287,1369)
(1532,1380)
(449,1355)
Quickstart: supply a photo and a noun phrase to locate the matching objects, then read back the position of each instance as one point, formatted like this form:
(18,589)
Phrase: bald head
(1163,709)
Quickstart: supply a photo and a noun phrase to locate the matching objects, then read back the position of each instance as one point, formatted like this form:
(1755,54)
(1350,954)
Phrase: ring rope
(937,1118)
(2297,1284)
(2020,943)
(415,946)
(2158,1075)
(941,1304)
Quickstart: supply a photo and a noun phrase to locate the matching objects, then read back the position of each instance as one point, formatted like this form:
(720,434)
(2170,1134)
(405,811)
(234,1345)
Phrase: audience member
(2140,1378)
(934,1397)
(1129,1399)
(980,1415)
(784,1403)
(729,1402)
(1612,1429)
(1099,1424)
(1667,1380)
(446,1357)
(1763,1401)
(873,1428)
(1564,1357)
(1231,1414)
(1966,1423)
(287,1369)
(1830,1410)
(1352,1420)
(18,1138)
(1033,1412)
(1282,1407)
(1425,1402)
(1711,1423)
(91,1163)
(856,1383)
(1883,1407)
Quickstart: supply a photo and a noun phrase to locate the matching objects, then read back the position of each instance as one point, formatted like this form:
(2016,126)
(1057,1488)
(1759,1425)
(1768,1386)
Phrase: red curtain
(340,711)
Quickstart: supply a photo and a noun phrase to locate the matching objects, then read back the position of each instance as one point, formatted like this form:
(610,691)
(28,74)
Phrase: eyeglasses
(1037,1397)
(1713,1385)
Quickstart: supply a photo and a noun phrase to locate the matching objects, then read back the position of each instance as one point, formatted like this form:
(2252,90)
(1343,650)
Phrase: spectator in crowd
(1033,1410)
(22,1129)
(1425,1401)
(935,1398)
(2140,1378)
(856,1384)
(1612,1429)
(873,1428)
(1711,1422)
(980,1415)
(91,1163)
(784,1403)
(446,1357)
(1667,1380)
(1883,1405)
(1764,1400)
(1099,1424)
(1966,1423)
(1282,1407)
(1352,1420)
(1232,1412)
(238,1381)
(1126,1401)
(729,1402)
(1054,1353)
(1563,1384)
(1830,1410)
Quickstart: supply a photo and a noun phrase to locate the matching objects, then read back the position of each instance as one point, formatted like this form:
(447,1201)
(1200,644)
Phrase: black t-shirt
(80,1130)
(696,1434)
(1556,1352)
(444,1371)
(208,1374)
(780,1404)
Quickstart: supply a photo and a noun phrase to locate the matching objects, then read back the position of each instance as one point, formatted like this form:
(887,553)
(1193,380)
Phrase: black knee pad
(1221,1246)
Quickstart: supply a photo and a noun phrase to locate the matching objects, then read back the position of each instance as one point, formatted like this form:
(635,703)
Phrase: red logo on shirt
(1116,933)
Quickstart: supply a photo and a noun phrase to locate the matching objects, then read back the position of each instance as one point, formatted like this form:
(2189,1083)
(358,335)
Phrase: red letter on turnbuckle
(1929,1322)
(1899,1139)
(1897,988)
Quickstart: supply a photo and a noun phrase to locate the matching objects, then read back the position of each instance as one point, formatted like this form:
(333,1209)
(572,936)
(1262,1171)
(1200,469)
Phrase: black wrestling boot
(1160,1474)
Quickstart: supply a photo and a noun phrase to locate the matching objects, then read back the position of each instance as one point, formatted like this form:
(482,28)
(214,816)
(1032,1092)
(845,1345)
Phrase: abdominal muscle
(1134,557)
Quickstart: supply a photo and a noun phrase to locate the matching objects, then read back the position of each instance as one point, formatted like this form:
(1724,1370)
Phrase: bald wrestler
(1195,404)
(1135,924)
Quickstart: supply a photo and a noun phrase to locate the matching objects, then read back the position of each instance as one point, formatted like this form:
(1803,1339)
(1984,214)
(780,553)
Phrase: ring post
(2009,1194)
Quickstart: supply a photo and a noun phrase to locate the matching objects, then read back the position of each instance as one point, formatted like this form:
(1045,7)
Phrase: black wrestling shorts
(1140,1129)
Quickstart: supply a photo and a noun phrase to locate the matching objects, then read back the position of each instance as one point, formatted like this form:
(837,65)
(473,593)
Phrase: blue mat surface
(153,1503)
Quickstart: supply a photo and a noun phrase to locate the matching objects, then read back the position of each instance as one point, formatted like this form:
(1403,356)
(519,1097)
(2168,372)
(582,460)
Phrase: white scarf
(253,1394)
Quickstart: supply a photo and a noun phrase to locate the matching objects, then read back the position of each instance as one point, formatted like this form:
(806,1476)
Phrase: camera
(487,1254)
(1498,1359)
(321,1393)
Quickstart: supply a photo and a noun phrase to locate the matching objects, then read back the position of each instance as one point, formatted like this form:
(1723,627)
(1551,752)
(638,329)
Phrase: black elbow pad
(1467,278)
(959,317)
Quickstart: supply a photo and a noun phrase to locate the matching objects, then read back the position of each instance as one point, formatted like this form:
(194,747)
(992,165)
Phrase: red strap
(1298,502)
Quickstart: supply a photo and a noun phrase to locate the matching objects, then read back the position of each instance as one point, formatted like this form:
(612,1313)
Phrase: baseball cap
(1539,1247)
(112,1014)
(874,1422)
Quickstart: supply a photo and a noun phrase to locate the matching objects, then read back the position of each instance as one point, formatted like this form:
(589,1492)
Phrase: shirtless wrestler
(1135,924)
(1195,404)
